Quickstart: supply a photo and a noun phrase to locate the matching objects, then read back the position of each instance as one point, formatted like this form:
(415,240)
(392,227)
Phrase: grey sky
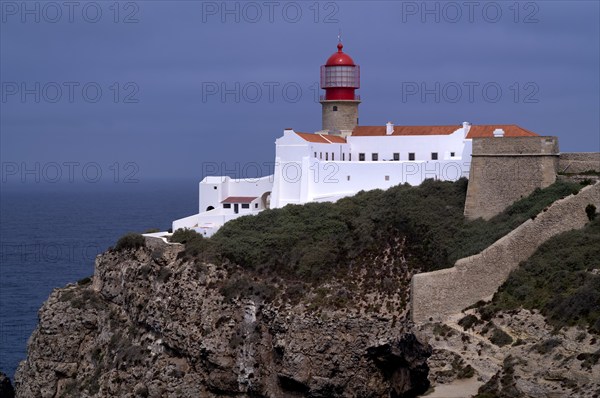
(544,56)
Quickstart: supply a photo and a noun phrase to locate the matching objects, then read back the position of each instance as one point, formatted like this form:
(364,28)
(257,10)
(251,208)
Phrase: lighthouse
(340,77)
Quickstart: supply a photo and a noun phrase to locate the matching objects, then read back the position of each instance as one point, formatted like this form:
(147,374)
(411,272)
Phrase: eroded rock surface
(151,323)
(515,354)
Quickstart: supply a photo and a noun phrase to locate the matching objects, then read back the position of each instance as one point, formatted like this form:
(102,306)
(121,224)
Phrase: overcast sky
(138,87)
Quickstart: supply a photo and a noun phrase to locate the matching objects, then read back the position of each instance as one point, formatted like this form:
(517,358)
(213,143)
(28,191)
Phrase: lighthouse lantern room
(340,76)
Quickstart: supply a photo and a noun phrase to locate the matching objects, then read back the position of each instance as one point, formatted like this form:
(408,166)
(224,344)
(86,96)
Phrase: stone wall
(441,293)
(579,162)
(506,169)
(345,118)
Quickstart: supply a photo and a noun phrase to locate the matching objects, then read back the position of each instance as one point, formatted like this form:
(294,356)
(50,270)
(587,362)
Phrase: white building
(343,158)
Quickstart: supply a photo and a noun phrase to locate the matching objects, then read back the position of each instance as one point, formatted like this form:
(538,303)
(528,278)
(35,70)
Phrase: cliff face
(150,324)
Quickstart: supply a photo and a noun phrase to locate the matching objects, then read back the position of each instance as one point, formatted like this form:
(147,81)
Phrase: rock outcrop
(151,323)
(514,354)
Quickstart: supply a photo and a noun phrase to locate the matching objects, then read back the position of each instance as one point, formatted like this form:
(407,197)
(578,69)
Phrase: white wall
(299,177)
(421,146)
(347,178)
(187,222)
(225,187)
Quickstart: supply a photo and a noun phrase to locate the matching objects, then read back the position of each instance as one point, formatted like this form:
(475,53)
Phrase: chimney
(498,133)
(389,128)
(466,128)
(288,130)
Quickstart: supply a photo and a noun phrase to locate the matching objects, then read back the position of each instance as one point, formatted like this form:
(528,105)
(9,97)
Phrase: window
(434,156)
(343,156)
(256,205)
(387,178)
(411,156)
(361,157)
(374,157)
(215,187)
(227,205)
(349,157)
(335,108)
(451,154)
(326,155)
(315,155)
(245,205)
(332,156)
(396,156)
(209,208)
(320,155)
(348,178)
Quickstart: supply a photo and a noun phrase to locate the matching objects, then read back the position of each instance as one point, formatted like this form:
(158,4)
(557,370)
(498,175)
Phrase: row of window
(244,205)
(411,156)
(387,178)
(375,156)
(332,156)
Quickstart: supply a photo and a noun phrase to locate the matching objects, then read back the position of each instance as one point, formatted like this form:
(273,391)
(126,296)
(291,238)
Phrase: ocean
(50,236)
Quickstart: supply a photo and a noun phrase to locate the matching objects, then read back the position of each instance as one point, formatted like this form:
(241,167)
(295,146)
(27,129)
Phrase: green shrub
(184,236)
(589,359)
(130,241)
(468,321)
(500,337)
(85,281)
(466,373)
(443,330)
(546,346)
(196,246)
(556,280)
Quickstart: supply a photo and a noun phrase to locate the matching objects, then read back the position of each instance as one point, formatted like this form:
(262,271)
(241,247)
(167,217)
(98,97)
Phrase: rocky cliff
(164,320)
(151,323)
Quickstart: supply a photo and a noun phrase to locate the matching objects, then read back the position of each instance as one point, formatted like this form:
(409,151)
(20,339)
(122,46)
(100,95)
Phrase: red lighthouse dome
(340,58)
(340,76)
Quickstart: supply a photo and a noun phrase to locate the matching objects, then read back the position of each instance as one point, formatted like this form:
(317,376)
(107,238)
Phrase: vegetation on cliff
(317,240)
(562,280)
(130,241)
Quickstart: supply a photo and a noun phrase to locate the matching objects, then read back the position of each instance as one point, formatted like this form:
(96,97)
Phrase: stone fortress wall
(578,162)
(436,295)
(506,169)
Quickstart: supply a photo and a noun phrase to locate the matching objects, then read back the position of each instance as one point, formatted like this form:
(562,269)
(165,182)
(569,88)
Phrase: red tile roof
(239,199)
(335,139)
(476,131)
(510,130)
(322,138)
